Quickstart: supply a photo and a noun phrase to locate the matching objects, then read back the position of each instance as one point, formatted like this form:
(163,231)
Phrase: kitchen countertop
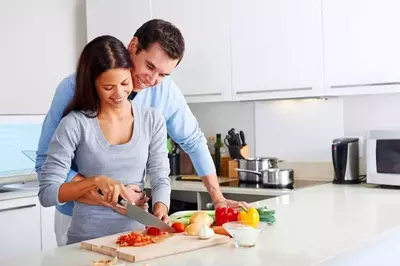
(313,225)
(176,185)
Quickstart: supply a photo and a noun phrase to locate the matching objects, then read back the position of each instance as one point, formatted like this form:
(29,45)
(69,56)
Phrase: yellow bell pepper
(251,217)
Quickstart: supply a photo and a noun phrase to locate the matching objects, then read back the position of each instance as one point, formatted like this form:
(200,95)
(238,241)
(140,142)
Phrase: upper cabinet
(362,46)
(119,18)
(204,74)
(276,49)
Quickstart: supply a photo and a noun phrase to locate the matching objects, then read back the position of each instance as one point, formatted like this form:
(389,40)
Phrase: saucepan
(273,177)
(259,163)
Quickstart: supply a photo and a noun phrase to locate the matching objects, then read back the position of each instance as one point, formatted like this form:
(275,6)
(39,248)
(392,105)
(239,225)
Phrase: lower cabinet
(47,228)
(19,227)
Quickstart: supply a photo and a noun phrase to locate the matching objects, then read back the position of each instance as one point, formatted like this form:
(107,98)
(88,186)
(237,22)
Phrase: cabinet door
(19,227)
(204,74)
(362,46)
(276,49)
(47,226)
(119,18)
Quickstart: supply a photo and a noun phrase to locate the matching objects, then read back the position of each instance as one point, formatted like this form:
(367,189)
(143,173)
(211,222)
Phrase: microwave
(383,157)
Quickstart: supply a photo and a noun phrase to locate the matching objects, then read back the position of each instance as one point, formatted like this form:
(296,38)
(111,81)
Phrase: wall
(301,131)
(36,70)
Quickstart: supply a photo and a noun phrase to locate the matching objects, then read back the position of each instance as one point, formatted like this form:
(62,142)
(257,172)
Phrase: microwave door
(388,156)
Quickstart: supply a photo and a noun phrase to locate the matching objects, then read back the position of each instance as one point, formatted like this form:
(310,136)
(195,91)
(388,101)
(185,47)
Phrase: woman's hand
(111,189)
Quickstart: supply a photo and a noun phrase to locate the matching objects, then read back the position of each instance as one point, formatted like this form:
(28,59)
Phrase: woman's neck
(111,113)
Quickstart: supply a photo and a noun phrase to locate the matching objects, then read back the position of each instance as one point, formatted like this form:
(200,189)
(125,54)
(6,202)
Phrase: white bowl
(244,235)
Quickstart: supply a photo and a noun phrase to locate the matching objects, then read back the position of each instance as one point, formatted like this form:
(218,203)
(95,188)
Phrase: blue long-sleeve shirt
(182,126)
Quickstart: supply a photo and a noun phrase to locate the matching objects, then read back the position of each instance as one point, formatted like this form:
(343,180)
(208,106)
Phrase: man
(156,49)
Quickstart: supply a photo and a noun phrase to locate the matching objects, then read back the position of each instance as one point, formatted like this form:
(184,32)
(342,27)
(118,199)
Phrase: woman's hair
(99,55)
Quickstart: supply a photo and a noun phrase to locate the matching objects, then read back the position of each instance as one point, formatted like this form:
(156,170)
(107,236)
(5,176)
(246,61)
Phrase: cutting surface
(177,243)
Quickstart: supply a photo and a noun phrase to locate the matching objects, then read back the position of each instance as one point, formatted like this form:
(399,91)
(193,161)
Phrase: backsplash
(301,130)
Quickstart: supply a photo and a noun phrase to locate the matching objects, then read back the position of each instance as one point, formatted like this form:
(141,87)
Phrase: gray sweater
(79,138)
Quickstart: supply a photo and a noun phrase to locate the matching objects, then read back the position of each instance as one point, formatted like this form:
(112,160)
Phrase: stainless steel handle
(364,85)
(248,171)
(276,90)
(18,207)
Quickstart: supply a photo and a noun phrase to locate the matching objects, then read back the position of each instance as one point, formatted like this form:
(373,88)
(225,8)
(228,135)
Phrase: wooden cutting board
(175,244)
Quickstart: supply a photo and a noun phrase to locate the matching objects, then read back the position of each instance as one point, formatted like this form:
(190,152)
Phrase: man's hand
(230,203)
(160,210)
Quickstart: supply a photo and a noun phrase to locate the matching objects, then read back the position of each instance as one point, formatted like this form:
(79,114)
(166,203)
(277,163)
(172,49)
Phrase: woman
(112,141)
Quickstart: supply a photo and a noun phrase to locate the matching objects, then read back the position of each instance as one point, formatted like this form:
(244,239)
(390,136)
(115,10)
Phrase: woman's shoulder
(76,118)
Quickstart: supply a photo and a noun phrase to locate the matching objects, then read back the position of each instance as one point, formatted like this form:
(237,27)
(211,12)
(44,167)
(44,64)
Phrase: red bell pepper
(225,215)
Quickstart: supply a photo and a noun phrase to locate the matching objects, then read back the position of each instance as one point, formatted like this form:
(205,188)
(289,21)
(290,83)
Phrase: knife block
(244,151)
(227,167)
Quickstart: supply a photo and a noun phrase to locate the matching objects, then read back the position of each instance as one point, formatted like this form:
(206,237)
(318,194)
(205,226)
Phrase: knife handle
(243,138)
(121,201)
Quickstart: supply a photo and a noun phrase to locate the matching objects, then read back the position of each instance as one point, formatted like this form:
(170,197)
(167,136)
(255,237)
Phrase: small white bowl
(244,235)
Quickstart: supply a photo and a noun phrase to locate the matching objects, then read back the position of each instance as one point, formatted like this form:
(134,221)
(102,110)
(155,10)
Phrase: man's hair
(167,35)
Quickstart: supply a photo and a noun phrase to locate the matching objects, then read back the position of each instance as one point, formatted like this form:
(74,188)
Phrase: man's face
(149,67)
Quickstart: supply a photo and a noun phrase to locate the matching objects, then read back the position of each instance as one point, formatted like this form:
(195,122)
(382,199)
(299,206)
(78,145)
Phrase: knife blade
(138,214)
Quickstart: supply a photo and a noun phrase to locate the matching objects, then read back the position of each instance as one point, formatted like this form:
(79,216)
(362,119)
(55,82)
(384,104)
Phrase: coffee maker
(345,158)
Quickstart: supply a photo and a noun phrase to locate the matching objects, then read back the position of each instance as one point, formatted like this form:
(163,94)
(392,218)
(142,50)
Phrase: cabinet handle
(276,90)
(17,208)
(203,94)
(364,85)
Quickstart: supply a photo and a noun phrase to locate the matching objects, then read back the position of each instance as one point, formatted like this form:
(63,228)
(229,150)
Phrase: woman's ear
(133,45)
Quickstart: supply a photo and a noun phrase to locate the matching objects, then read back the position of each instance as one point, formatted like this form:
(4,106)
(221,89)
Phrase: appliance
(345,158)
(383,157)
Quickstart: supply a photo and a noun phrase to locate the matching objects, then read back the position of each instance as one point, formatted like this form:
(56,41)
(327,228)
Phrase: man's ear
(133,45)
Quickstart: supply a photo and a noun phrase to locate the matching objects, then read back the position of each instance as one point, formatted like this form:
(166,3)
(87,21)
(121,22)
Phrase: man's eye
(150,67)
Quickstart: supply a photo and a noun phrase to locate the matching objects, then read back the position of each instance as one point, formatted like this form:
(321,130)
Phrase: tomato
(179,227)
(153,231)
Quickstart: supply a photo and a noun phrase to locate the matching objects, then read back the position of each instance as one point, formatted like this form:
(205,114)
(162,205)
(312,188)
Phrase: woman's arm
(158,164)
(58,163)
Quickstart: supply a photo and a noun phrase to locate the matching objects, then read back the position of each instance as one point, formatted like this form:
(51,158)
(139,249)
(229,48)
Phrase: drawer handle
(272,91)
(203,94)
(364,85)
(18,208)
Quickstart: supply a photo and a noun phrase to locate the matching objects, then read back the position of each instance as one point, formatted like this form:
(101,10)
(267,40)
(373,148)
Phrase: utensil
(273,177)
(242,138)
(256,164)
(244,235)
(136,213)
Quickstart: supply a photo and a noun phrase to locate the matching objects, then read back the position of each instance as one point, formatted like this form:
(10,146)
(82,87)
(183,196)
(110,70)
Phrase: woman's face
(114,86)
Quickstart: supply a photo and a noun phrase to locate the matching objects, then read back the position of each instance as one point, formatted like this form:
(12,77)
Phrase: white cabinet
(276,49)
(119,18)
(19,227)
(47,228)
(362,46)
(205,71)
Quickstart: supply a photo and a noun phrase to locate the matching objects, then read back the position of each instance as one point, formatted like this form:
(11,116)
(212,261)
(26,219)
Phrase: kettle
(345,158)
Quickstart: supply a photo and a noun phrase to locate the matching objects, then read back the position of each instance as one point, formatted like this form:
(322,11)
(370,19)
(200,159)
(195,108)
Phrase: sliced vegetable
(251,217)
(225,215)
(178,226)
(205,232)
(219,230)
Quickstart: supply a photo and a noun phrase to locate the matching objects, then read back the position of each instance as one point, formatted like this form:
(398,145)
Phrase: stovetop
(300,183)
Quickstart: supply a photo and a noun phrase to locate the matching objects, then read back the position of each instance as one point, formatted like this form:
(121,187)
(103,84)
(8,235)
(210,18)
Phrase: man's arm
(184,130)
(62,96)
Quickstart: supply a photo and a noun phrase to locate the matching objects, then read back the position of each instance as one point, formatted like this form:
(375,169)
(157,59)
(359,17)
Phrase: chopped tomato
(134,239)
(153,231)
(179,227)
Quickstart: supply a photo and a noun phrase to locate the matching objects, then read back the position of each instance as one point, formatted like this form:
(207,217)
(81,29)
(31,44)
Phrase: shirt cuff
(161,195)
(202,161)
(71,174)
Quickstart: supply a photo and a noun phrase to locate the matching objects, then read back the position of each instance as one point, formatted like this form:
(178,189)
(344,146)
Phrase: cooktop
(300,183)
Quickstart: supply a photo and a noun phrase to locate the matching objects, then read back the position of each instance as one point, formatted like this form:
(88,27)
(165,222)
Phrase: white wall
(302,130)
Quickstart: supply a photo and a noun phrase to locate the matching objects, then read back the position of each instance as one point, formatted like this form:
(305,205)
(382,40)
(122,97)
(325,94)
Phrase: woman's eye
(125,83)
(108,88)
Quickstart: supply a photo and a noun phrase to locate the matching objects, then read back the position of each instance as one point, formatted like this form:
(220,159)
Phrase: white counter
(313,225)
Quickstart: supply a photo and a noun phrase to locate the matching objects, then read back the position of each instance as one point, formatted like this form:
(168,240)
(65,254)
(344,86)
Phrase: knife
(136,213)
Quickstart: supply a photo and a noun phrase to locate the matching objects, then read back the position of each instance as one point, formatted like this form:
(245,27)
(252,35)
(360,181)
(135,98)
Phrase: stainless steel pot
(272,177)
(258,165)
